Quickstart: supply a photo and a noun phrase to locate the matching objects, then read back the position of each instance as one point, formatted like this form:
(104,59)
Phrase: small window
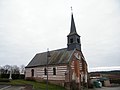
(54,71)
(71,40)
(78,40)
(32,72)
(45,71)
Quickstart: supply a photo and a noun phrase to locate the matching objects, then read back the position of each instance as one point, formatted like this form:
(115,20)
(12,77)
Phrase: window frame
(45,71)
(54,71)
(32,72)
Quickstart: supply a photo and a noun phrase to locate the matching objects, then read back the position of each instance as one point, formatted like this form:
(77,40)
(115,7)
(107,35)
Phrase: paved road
(4,87)
(107,88)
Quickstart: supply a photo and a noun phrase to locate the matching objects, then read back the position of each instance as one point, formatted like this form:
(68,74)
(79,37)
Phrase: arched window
(32,72)
(54,71)
(45,71)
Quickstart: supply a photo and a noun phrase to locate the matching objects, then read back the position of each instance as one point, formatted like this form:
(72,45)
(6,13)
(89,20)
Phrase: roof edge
(48,65)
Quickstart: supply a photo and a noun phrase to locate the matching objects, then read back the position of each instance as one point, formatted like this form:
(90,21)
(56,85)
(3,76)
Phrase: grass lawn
(36,85)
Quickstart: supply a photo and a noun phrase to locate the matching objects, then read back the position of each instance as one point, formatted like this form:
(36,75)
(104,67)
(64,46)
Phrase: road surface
(5,87)
(107,88)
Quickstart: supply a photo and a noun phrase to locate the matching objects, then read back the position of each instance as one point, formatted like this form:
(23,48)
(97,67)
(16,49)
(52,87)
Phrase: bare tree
(6,69)
(15,69)
(22,69)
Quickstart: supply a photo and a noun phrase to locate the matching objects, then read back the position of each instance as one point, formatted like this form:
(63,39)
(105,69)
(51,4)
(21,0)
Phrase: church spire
(73,27)
(73,37)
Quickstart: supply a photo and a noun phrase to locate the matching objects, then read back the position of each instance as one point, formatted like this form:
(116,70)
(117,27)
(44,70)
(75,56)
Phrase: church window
(71,40)
(54,71)
(78,40)
(32,72)
(45,71)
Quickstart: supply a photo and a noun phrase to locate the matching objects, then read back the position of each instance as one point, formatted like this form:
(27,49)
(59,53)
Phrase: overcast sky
(28,27)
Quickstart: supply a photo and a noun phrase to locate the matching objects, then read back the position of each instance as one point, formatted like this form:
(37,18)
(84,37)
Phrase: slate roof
(60,56)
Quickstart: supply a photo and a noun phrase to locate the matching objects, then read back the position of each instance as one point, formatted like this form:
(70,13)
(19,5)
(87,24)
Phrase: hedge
(14,76)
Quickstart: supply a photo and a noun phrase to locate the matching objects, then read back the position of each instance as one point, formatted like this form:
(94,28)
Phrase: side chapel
(66,66)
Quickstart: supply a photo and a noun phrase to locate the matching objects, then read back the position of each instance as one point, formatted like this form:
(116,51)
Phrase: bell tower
(73,39)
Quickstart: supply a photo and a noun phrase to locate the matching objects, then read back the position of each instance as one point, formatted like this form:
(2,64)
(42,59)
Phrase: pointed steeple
(73,27)
(73,37)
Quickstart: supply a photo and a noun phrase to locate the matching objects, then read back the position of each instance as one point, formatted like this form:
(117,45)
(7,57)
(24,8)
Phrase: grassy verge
(36,85)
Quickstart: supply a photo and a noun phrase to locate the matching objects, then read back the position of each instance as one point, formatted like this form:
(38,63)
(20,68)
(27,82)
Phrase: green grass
(36,85)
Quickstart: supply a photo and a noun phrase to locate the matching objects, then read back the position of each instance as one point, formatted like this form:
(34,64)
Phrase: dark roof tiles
(59,56)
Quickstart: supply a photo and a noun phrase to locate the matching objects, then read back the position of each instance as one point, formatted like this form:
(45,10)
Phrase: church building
(66,66)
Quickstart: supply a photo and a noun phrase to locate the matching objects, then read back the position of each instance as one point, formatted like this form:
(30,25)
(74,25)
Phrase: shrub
(21,76)
(14,76)
(4,75)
